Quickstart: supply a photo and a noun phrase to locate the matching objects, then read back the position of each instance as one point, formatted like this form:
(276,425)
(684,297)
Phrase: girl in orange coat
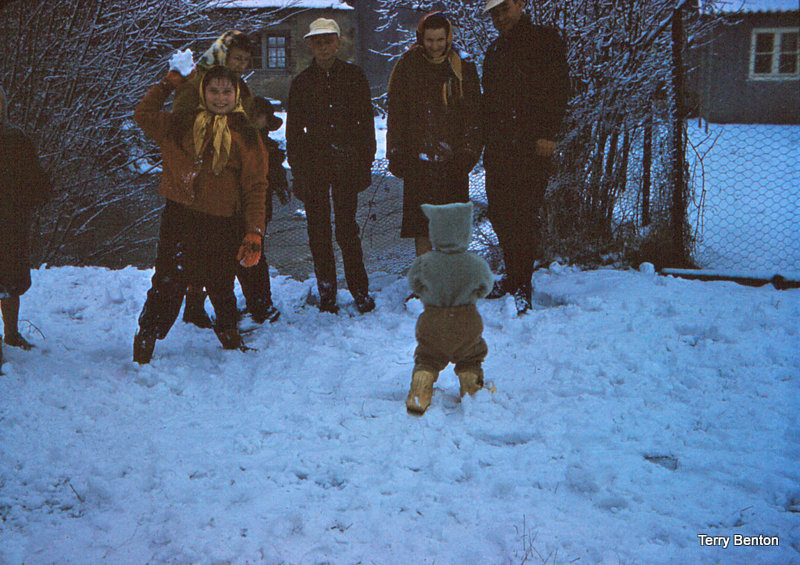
(214,167)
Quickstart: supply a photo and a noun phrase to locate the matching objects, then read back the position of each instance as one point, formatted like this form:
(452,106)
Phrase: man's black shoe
(328,305)
(229,337)
(270,313)
(143,345)
(522,299)
(364,303)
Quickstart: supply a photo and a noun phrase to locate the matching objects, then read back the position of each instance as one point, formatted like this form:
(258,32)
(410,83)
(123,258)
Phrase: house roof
(302,4)
(750,6)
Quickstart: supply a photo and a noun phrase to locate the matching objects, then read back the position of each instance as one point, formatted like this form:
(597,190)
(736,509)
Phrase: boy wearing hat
(330,145)
(525,92)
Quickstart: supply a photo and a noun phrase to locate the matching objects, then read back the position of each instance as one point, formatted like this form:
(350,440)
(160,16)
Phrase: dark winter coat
(277,174)
(419,121)
(330,130)
(433,135)
(23,186)
(525,90)
(242,184)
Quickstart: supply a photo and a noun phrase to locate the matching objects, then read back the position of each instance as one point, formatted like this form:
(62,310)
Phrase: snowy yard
(633,413)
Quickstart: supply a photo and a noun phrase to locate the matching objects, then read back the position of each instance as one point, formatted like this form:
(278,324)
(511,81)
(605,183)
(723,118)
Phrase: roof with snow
(301,4)
(757,6)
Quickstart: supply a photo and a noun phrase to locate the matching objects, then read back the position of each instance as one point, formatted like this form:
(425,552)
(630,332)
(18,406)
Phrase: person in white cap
(330,146)
(525,91)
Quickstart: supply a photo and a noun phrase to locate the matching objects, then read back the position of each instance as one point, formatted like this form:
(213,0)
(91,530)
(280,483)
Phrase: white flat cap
(491,4)
(322,26)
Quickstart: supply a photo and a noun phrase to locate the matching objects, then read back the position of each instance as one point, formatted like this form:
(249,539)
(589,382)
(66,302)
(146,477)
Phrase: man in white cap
(330,145)
(525,90)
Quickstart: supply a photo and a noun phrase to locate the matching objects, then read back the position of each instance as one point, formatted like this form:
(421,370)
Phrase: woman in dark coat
(433,126)
(23,186)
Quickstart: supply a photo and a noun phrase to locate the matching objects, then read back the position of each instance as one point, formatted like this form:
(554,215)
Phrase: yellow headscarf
(221,133)
(449,55)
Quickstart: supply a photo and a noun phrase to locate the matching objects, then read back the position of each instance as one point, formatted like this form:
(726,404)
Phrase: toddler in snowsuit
(449,281)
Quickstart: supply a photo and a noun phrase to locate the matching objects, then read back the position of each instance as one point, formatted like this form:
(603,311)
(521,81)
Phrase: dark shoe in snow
(270,313)
(327,297)
(14,339)
(194,311)
(364,303)
(328,305)
(143,345)
(522,299)
(498,290)
(229,337)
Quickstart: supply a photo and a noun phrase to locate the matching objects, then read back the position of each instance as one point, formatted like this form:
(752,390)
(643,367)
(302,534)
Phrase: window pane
(276,52)
(764,42)
(789,43)
(763,64)
(787,64)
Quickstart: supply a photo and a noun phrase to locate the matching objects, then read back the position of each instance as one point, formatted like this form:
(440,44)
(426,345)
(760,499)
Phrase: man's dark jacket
(525,90)
(330,130)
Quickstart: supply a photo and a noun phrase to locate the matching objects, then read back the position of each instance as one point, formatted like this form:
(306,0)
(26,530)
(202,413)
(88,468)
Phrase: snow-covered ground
(632,414)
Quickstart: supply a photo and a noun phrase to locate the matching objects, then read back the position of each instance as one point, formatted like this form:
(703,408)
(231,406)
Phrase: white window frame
(773,74)
(285,47)
(264,47)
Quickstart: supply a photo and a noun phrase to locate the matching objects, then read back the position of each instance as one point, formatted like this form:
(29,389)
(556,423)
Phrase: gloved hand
(174,79)
(250,250)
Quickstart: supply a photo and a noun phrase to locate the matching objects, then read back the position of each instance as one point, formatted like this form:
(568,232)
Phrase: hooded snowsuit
(23,186)
(449,281)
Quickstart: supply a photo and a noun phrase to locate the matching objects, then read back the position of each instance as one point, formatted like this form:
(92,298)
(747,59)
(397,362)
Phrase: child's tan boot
(471,381)
(421,393)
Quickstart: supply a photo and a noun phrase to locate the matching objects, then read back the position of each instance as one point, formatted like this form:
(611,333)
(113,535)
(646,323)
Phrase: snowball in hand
(182,62)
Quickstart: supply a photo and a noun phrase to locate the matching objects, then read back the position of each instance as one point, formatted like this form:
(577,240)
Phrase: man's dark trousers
(515,190)
(318,216)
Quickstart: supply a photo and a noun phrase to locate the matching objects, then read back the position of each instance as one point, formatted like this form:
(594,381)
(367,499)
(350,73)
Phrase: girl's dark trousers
(193,249)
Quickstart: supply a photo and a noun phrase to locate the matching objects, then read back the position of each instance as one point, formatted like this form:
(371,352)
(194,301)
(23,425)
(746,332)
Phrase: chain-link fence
(746,206)
(743,205)
(379,215)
